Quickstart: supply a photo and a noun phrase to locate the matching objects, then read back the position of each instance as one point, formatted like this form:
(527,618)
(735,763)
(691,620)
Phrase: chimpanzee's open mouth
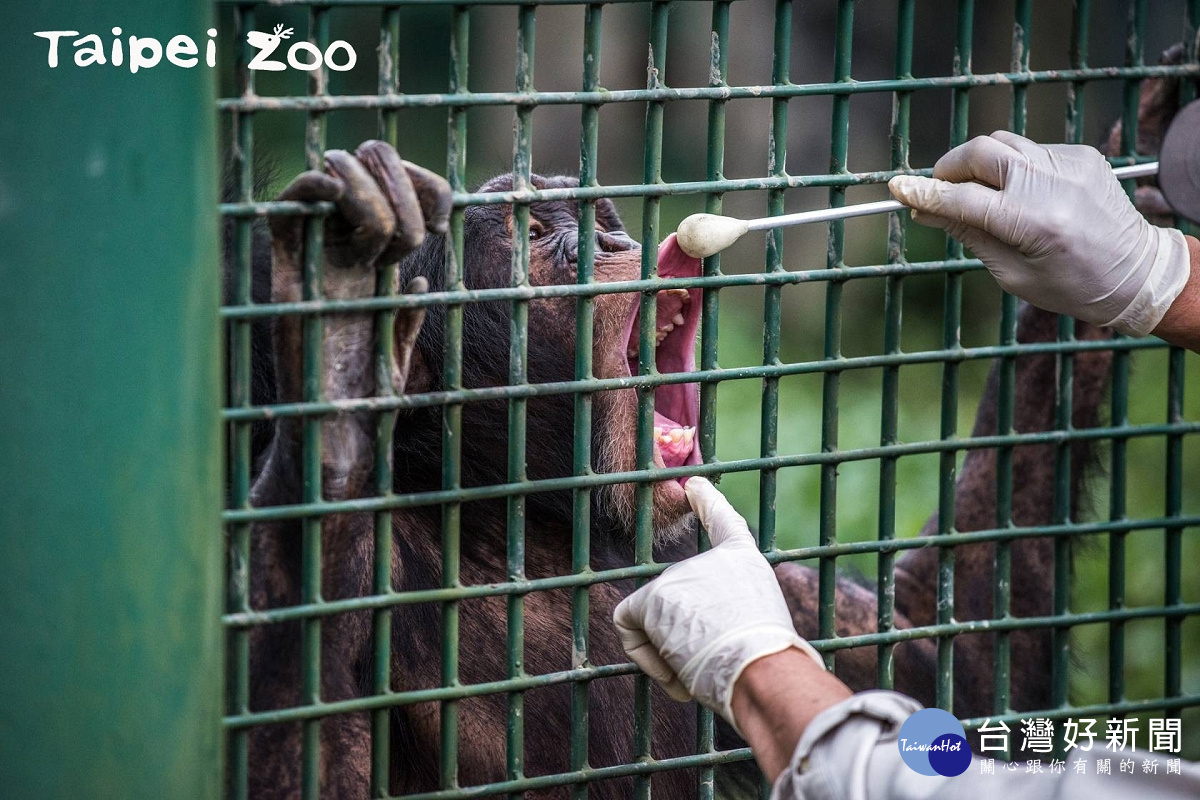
(676,405)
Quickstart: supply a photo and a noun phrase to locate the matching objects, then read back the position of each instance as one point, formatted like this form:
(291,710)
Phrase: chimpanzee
(389,211)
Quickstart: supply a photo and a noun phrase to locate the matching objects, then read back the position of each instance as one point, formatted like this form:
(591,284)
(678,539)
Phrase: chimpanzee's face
(553,246)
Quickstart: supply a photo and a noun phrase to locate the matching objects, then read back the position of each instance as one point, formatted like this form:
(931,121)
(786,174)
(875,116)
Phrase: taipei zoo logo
(145,52)
(933,742)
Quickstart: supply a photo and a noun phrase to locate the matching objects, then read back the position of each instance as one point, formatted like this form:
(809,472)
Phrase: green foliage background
(424,68)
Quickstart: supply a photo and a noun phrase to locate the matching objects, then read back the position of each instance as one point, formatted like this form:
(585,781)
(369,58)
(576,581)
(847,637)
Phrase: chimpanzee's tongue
(677,405)
(674,263)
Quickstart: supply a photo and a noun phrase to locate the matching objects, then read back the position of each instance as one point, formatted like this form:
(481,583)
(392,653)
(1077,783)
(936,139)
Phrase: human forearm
(774,700)
(849,752)
(1181,324)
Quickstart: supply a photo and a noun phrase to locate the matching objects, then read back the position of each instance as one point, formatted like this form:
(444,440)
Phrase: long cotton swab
(703,235)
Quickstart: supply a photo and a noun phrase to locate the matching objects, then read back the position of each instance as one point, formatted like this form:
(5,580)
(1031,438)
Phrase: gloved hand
(1054,227)
(699,624)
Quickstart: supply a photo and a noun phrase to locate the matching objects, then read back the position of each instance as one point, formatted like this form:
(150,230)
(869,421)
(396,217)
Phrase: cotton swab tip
(703,235)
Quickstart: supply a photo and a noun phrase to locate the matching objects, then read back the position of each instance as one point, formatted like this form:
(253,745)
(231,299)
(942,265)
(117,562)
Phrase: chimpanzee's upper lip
(676,405)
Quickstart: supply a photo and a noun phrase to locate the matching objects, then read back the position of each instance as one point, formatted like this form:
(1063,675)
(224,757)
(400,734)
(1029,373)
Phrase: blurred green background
(424,67)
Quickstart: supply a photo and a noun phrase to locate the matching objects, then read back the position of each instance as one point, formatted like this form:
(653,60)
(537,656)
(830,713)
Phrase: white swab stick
(887,206)
(702,235)
(1136,170)
(824,215)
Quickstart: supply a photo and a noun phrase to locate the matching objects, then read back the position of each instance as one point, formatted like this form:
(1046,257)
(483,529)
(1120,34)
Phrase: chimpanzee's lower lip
(676,405)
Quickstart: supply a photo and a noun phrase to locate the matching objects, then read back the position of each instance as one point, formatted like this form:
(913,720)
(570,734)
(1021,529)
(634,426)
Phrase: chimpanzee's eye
(535,231)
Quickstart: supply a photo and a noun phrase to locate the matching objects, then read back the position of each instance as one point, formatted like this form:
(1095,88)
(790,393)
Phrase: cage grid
(316,107)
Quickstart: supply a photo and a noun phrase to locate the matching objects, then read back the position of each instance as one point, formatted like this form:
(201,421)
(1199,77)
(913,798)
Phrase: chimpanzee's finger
(434,193)
(408,325)
(307,187)
(312,187)
(384,164)
(367,218)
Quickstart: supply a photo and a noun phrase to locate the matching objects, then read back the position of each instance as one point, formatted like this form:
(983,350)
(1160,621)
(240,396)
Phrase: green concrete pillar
(110,483)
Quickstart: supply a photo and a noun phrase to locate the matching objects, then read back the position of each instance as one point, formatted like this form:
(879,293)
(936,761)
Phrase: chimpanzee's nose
(615,242)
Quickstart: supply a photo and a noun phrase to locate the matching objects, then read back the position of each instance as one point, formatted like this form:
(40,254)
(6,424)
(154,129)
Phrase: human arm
(1181,324)
(815,740)
(850,751)
(774,701)
(1054,227)
(812,738)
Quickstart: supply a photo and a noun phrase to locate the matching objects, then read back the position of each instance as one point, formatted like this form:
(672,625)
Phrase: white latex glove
(1054,227)
(699,624)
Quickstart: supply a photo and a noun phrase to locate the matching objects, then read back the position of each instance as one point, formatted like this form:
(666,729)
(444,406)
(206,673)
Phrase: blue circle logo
(933,742)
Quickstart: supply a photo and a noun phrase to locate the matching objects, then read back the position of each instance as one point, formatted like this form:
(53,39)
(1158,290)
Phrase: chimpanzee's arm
(384,208)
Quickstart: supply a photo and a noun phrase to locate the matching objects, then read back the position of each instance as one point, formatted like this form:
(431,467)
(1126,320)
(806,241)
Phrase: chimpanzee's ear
(409,371)
(607,216)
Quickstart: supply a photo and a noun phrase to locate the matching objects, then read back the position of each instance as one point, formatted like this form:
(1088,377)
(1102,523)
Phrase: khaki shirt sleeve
(849,752)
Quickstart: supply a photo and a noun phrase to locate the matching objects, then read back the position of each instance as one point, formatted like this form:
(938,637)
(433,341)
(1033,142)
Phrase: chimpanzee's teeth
(664,330)
(683,435)
(660,336)
(682,294)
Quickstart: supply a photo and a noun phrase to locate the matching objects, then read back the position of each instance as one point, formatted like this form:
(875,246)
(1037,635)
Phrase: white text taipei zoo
(144,52)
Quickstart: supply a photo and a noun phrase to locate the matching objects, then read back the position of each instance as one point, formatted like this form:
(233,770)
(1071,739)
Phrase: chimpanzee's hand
(384,207)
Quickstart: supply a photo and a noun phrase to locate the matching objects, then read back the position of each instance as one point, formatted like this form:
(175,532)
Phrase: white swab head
(703,235)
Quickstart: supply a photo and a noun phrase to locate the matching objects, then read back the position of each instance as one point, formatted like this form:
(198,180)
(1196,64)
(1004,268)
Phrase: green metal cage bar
(518,360)
(312,276)
(385,286)
(776,167)
(710,299)
(455,296)
(256,618)
(1006,386)
(581,531)
(1120,388)
(643,721)
(839,152)
(239,371)
(1064,406)
(456,168)
(739,465)
(659,98)
(667,94)
(951,328)
(893,306)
